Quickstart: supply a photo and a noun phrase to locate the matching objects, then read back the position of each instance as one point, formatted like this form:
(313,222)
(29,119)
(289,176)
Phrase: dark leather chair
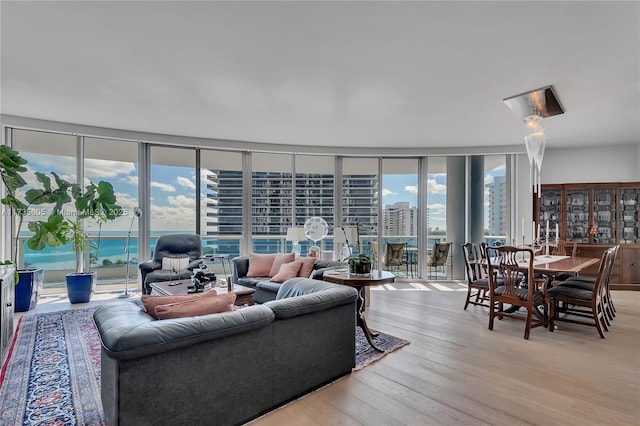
(175,246)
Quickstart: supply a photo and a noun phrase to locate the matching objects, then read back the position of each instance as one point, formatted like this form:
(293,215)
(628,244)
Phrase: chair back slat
(471,258)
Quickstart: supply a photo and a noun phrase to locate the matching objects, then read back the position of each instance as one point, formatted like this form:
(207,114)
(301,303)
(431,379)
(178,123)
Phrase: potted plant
(97,203)
(12,167)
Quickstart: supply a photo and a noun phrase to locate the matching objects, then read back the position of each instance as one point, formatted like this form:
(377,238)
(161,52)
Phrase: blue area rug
(52,373)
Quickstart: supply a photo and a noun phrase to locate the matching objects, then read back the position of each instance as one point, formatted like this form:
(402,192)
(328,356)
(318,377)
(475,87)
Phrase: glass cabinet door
(577,218)
(629,222)
(603,220)
(550,210)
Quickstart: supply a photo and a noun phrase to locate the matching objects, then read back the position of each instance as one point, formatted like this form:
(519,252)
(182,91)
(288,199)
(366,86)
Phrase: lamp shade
(296,234)
(342,234)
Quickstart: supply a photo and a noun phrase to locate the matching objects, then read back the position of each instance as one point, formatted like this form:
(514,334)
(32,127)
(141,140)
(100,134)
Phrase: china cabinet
(595,216)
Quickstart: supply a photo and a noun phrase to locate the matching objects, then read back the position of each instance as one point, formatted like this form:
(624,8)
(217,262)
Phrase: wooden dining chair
(510,263)
(477,282)
(588,284)
(580,301)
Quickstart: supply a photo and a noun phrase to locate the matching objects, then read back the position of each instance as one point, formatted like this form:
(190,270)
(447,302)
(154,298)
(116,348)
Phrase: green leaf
(54,233)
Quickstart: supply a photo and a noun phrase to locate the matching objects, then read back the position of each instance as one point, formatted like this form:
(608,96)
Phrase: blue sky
(173,189)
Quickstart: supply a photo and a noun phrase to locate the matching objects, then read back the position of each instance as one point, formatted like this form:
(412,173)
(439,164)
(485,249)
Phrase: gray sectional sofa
(266,290)
(226,368)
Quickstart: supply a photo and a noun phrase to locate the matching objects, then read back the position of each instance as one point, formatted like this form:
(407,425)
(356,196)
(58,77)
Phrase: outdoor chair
(438,258)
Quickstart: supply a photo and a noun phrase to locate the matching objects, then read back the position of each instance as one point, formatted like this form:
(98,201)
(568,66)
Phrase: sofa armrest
(240,267)
(127,332)
(299,296)
(149,265)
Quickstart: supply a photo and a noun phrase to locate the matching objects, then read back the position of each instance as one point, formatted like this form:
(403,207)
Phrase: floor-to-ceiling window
(173,191)
(400,208)
(360,198)
(378,195)
(314,192)
(271,201)
(115,162)
(221,202)
(46,153)
(496,201)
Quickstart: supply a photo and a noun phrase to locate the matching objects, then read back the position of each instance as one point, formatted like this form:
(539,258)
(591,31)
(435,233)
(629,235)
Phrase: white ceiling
(357,74)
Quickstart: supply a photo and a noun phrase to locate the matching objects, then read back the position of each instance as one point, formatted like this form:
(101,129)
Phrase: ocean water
(63,258)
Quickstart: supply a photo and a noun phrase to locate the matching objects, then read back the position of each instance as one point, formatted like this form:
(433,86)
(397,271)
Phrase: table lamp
(295,235)
(346,235)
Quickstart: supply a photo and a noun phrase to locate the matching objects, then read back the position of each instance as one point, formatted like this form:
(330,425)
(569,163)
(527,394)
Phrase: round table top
(376,277)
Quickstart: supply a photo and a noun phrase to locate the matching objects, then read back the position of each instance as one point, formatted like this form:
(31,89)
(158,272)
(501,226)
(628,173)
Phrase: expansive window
(221,202)
(173,191)
(314,193)
(115,162)
(360,198)
(45,153)
(496,198)
(271,201)
(400,207)
(379,197)
(436,212)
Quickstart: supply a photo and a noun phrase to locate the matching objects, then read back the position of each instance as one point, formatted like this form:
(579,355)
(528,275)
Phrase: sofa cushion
(307,266)
(197,307)
(252,282)
(271,286)
(281,258)
(260,264)
(150,302)
(287,271)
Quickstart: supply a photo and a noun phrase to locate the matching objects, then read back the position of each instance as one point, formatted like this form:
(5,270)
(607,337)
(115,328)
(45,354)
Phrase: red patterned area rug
(52,373)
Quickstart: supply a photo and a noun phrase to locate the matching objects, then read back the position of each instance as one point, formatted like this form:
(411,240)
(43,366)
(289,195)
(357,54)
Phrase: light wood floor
(456,371)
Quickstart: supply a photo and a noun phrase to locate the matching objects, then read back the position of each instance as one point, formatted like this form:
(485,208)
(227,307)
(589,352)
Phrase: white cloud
(133,180)
(411,189)
(105,169)
(387,192)
(182,201)
(437,209)
(165,187)
(186,182)
(435,187)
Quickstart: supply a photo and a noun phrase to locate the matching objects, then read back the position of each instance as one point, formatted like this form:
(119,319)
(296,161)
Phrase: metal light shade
(542,102)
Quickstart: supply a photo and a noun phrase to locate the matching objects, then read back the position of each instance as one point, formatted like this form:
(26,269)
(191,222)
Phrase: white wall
(581,165)
(603,164)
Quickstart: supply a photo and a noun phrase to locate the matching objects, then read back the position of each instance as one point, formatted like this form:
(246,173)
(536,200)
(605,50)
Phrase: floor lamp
(136,213)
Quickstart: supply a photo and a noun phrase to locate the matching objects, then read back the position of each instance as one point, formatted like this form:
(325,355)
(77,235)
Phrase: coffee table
(360,282)
(244,295)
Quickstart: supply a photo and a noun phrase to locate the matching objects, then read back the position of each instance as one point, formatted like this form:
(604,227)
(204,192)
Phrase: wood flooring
(457,372)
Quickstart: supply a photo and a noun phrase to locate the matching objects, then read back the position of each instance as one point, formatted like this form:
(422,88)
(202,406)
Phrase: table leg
(362,323)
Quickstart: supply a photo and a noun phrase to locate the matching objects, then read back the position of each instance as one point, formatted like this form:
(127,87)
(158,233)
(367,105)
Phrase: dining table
(550,265)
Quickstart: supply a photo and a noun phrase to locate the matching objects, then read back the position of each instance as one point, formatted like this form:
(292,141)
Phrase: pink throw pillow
(260,264)
(307,266)
(279,260)
(196,307)
(287,271)
(150,302)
